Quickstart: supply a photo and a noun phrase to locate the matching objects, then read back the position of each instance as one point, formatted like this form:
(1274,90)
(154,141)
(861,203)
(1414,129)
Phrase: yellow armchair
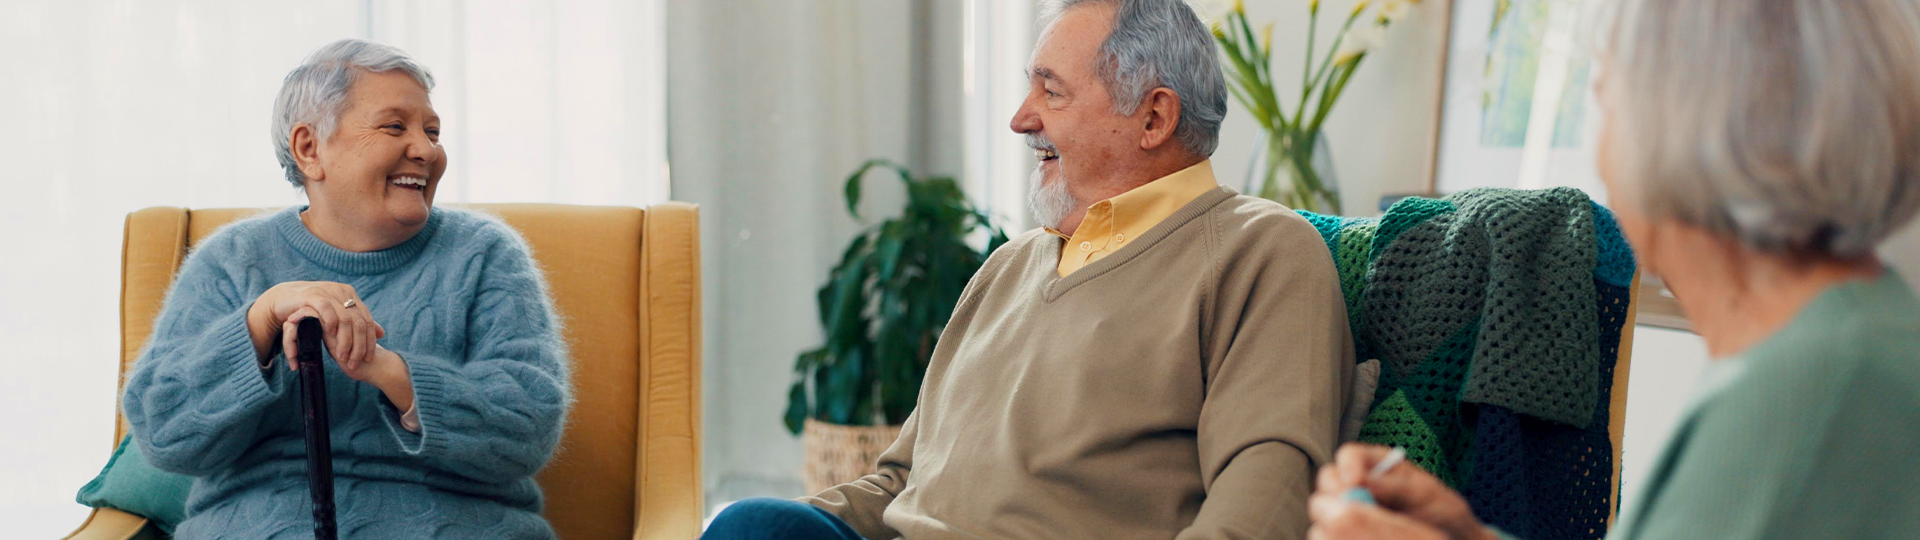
(626,281)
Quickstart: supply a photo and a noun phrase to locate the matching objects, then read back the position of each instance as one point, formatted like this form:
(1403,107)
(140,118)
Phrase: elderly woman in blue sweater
(448,381)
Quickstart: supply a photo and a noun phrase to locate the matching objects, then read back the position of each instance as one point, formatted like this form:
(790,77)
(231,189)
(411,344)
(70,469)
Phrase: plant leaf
(822,394)
(796,417)
(843,389)
(845,323)
(886,301)
(886,252)
(808,361)
(852,189)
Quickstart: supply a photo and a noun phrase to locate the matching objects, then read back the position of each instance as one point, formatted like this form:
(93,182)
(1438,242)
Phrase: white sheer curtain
(110,106)
(998,39)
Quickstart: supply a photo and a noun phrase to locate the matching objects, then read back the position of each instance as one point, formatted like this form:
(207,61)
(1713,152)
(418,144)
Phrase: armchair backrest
(626,283)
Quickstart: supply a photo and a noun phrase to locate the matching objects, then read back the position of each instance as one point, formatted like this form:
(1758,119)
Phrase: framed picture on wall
(1517,110)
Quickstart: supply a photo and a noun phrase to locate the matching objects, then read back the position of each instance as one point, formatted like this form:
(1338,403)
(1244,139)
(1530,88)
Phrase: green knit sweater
(1811,433)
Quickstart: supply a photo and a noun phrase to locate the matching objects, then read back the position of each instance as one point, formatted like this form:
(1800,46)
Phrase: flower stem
(1332,93)
(1325,65)
(1306,66)
(1259,61)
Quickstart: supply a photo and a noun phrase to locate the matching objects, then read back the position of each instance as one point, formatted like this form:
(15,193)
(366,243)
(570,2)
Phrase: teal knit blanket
(1496,315)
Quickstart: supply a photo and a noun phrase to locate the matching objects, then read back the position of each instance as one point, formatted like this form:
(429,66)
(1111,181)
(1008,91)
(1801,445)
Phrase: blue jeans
(777,519)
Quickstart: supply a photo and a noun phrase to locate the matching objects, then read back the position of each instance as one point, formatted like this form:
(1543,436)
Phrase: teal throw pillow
(130,484)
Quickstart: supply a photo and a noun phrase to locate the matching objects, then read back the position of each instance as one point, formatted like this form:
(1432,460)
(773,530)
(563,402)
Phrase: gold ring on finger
(350,303)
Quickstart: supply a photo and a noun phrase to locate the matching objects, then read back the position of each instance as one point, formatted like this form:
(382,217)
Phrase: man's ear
(305,144)
(1162,114)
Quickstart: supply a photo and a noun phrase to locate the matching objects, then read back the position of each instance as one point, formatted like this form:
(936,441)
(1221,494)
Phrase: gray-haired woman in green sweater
(1756,152)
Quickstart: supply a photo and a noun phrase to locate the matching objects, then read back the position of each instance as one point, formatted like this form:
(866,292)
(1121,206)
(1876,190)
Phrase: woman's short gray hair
(1791,125)
(316,92)
(1160,43)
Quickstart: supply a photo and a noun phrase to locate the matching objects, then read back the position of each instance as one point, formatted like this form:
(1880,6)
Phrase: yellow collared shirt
(1112,223)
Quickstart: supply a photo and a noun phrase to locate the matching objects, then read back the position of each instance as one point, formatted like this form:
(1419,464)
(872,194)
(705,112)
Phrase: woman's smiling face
(382,164)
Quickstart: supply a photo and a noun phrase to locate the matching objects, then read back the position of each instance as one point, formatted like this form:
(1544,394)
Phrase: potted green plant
(883,308)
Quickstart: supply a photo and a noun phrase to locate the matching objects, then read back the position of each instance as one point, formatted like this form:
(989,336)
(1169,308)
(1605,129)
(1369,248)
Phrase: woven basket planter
(838,454)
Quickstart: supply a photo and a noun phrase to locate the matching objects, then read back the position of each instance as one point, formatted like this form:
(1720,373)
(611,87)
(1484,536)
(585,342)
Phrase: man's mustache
(1037,141)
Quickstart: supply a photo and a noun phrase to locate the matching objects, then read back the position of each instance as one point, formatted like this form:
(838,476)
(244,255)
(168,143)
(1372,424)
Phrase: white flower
(1211,11)
(1394,10)
(1359,41)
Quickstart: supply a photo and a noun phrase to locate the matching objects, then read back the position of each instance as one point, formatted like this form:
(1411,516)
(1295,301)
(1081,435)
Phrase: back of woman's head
(1790,125)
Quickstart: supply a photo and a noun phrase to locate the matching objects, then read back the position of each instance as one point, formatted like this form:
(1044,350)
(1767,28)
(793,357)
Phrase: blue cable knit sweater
(462,303)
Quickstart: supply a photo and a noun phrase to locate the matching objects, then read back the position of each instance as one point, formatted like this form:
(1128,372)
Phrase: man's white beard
(1049,202)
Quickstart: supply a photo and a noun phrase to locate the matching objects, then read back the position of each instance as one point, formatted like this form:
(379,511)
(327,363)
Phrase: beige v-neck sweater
(1186,386)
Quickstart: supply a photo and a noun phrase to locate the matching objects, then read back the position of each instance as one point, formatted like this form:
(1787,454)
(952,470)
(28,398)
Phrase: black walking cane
(313,413)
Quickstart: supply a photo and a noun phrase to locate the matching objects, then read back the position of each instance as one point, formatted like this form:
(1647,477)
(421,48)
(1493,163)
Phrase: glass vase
(1299,176)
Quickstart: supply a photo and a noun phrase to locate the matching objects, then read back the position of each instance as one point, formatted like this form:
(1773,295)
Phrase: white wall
(111,106)
(1666,364)
(771,104)
(1382,129)
(108,108)
(1903,253)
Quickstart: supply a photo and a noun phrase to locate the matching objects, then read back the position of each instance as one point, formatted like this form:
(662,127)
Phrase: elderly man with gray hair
(1166,359)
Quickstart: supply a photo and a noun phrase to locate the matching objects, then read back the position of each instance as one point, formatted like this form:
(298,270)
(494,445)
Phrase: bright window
(998,41)
(111,106)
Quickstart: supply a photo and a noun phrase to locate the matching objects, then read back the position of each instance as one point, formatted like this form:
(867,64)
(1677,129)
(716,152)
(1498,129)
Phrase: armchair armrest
(110,524)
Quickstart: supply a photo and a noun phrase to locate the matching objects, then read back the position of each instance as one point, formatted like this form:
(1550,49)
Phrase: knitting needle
(1361,494)
(1394,457)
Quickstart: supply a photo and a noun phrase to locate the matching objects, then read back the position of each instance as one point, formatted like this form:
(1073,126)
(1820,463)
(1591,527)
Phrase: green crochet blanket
(1496,315)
